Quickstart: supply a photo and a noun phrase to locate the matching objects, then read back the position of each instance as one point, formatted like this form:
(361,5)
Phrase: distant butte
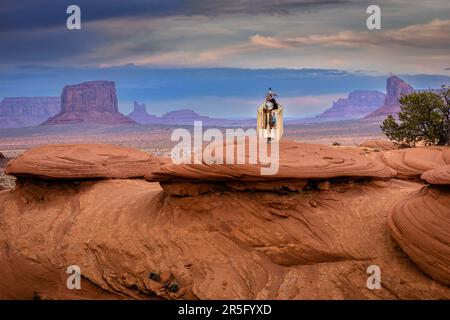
(89,102)
(395,89)
(141,115)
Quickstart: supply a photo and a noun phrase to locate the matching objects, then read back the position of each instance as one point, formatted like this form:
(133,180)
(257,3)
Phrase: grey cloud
(31,14)
(216,33)
(217,7)
(431,35)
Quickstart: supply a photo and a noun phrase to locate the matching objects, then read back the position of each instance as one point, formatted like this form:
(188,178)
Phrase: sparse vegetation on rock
(424,118)
(6,181)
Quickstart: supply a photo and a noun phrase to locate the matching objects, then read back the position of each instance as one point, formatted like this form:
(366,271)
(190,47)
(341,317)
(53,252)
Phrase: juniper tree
(424,117)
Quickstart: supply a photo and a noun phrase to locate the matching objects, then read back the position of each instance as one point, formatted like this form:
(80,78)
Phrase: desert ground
(139,227)
(156,138)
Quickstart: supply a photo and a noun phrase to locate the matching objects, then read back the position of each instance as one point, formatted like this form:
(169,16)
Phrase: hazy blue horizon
(214,92)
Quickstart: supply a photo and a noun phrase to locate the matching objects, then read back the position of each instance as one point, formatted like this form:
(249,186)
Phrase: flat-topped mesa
(357,105)
(298,164)
(29,106)
(18,112)
(89,102)
(82,161)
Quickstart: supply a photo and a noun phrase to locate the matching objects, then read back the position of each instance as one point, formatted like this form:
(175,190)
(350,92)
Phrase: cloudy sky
(256,34)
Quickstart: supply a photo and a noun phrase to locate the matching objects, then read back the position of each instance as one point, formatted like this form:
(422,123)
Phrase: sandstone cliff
(395,89)
(222,232)
(140,114)
(89,102)
(27,111)
(357,105)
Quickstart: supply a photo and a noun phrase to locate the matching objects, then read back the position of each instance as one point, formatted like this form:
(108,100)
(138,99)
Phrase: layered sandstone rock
(140,114)
(421,225)
(232,245)
(438,176)
(357,105)
(380,145)
(82,161)
(27,111)
(420,222)
(412,162)
(395,89)
(132,239)
(297,161)
(89,102)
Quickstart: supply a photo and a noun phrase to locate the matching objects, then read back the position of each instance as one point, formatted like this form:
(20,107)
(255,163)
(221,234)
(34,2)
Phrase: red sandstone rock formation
(82,161)
(411,163)
(395,89)
(420,224)
(438,176)
(21,112)
(298,163)
(89,102)
(357,105)
(229,243)
(380,145)
(140,114)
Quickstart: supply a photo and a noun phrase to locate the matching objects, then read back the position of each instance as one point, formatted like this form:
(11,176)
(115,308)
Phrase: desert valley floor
(156,138)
